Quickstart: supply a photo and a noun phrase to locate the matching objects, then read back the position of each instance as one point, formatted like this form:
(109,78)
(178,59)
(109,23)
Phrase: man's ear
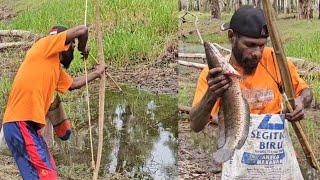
(231,36)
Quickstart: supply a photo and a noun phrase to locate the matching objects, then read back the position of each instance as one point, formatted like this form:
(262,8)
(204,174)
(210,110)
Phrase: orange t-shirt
(39,75)
(260,89)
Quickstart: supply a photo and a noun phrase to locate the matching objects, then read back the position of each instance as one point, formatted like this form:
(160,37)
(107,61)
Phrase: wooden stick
(101,89)
(114,82)
(287,83)
(191,64)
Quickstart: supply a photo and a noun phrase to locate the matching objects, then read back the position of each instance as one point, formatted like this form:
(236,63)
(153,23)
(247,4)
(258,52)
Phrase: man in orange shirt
(247,33)
(39,76)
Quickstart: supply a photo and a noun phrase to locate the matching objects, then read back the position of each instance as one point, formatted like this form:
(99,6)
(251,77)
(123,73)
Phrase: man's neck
(235,64)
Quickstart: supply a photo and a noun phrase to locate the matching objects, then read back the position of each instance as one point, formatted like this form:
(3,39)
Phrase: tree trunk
(306,9)
(254,3)
(259,3)
(285,6)
(183,5)
(237,4)
(215,9)
(201,5)
(289,3)
(275,6)
(319,9)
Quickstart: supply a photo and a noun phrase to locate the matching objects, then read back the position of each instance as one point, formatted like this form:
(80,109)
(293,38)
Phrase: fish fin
(245,133)
(223,155)
(222,134)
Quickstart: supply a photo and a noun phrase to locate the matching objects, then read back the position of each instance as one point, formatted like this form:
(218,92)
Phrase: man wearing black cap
(268,151)
(39,76)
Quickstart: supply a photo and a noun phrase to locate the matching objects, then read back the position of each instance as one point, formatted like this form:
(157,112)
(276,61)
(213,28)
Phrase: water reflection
(140,138)
(162,159)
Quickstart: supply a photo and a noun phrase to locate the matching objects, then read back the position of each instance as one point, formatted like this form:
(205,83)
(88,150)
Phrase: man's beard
(67,57)
(249,65)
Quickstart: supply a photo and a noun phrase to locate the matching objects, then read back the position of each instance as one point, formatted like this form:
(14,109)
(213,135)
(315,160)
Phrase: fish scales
(234,107)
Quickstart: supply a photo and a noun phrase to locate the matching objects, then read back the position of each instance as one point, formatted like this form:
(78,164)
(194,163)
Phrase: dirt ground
(160,76)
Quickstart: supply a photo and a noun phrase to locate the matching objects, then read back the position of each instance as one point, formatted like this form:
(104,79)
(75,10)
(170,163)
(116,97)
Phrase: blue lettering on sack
(272,126)
(262,159)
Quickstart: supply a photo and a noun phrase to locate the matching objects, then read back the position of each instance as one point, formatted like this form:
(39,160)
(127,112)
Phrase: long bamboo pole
(287,82)
(99,37)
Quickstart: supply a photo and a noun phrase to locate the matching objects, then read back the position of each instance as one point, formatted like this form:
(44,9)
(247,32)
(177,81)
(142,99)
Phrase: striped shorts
(29,150)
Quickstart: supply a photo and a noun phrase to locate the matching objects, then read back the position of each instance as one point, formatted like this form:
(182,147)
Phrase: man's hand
(218,83)
(81,81)
(85,52)
(99,69)
(298,113)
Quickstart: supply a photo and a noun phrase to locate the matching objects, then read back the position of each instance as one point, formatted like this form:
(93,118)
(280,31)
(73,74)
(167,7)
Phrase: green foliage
(305,47)
(134,30)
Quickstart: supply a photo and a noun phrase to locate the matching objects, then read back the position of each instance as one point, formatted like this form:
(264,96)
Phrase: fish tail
(223,155)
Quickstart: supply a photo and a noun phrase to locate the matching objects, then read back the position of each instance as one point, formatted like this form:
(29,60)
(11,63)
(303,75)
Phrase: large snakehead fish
(234,113)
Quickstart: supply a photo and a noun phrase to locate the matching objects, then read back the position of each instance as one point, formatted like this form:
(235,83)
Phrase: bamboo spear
(99,37)
(287,82)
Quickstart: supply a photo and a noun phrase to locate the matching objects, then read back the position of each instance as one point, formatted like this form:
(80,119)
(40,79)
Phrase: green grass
(134,30)
(305,47)
(186,93)
(5,86)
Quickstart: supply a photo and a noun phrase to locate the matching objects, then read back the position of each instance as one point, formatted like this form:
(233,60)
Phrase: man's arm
(200,114)
(217,85)
(306,97)
(79,32)
(79,82)
(303,101)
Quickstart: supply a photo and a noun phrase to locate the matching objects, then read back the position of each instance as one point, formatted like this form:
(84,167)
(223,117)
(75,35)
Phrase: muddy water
(140,136)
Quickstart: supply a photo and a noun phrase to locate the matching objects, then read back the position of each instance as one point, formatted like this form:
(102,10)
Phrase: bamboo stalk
(287,82)
(102,86)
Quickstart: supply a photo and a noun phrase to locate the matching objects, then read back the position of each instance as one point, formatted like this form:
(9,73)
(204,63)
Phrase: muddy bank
(159,76)
(195,162)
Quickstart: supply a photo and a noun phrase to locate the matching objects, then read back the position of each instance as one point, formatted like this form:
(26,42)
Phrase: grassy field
(134,30)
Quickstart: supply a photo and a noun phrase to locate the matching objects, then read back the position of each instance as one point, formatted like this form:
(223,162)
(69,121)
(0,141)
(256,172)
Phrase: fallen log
(192,55)
(17,33)
(221,47)
(15,45)
(192,64)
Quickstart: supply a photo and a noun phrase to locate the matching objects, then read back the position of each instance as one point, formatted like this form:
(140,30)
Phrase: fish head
(215,59)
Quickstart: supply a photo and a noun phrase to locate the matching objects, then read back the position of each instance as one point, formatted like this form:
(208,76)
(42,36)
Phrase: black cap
(57,29)
(248,21)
